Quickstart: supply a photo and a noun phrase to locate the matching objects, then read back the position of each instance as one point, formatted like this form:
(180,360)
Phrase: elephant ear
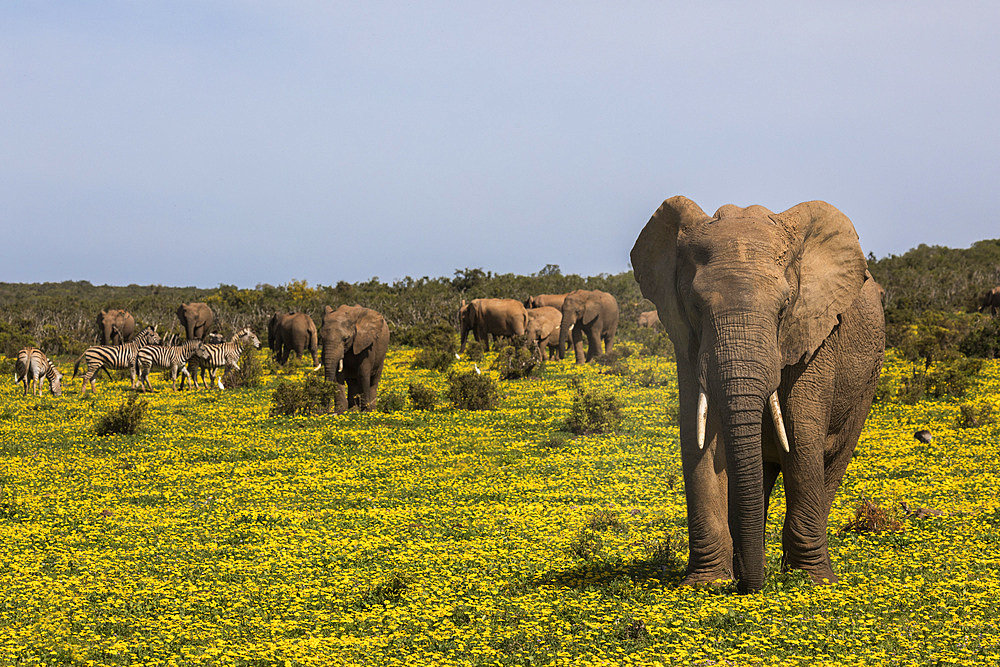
(831,269)
(366,331)
(654,262)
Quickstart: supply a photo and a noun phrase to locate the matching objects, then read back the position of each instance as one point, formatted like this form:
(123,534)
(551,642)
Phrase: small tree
(473,391)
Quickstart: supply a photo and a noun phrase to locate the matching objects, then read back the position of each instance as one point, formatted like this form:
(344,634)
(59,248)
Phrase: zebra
(175,357)
(31,366)
(212,356)
(113,356)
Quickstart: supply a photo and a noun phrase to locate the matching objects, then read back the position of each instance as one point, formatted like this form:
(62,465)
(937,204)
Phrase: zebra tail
(76,366)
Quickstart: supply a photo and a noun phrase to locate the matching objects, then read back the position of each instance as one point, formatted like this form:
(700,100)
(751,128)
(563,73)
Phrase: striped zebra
(174,357)
(212,356)
(113,356)
(31,366)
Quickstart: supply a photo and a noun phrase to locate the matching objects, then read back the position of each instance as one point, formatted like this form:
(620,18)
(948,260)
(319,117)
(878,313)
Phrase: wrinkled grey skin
(991,302)
(355,340)
(491,317)
(756,302)
(115,326)
(553,300)
(590,313)
(649,320)
(542,331)
(292,332)
(196,318)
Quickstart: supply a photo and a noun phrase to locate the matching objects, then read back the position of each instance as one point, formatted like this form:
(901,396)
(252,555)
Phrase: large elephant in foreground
(991,302)
(780,337)
(355,340)
(292,332)
(590,313)
(496,317)
(196,318)
(115,326)
(542,331)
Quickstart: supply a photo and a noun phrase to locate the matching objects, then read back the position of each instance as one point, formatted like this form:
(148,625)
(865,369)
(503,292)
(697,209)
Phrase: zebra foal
(113,356)
(212,356)
(31,366)
(174,357)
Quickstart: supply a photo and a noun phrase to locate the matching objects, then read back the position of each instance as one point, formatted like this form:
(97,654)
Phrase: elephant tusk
(340,366)
(779,424)
(702,417)
(318,367)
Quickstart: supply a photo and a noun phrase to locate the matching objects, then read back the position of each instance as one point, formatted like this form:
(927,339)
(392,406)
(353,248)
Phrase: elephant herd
(547,321)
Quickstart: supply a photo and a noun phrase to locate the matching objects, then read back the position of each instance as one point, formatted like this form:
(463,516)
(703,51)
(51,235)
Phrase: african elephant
(991,302)
(292,332)
(592,313)
(542,330)
(496,317)
(780,338)
(115,326)
(649,320)
(355,340)
(554,300)
(196,318)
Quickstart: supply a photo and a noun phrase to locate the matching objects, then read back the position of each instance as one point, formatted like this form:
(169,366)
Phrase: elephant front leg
(578,344)
(710,556)
(340,399)
(593,344)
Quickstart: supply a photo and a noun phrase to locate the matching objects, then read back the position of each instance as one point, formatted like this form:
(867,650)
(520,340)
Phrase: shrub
(587,545)
(983,341)
(972,415)
(870,518)
(594,410)
(422,397)
(439,347)
(473,391)
(313,395)
(250,373)
(650,377)
(123,419)
(14,336)
(391,401)
(515,362)
(474,350)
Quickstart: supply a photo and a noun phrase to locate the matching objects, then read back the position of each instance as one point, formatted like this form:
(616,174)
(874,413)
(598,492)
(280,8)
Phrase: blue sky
(247,142)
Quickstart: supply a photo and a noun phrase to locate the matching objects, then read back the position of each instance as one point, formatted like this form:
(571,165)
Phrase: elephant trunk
(743,372)
(333,357)
(564,329)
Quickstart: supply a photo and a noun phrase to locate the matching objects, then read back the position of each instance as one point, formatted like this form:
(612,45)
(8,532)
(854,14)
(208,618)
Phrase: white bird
(478,372)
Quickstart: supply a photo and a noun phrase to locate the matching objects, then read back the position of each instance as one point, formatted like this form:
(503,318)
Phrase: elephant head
(115,326)
(744,294)
(196,318)
(349,330)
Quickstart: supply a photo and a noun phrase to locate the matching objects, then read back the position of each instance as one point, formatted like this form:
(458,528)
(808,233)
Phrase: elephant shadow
(611,578)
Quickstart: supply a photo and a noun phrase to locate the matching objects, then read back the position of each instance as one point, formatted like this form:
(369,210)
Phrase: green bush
(391,401)
(984,340)
(14,337)
(312,396)
(654,343)
(514,362)
(439,347)
(474,350)
(422,397)
(123,419)
(973,415)
(473,391)
(250,374)
(594,410)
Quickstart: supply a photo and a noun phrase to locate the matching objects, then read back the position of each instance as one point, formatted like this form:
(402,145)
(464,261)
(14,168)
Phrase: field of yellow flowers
(220,535)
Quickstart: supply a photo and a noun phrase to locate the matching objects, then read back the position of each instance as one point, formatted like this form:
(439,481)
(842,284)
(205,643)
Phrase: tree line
(927,283)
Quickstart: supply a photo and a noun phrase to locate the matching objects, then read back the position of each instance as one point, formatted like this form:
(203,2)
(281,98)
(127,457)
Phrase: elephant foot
(707,577)
(819,574)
